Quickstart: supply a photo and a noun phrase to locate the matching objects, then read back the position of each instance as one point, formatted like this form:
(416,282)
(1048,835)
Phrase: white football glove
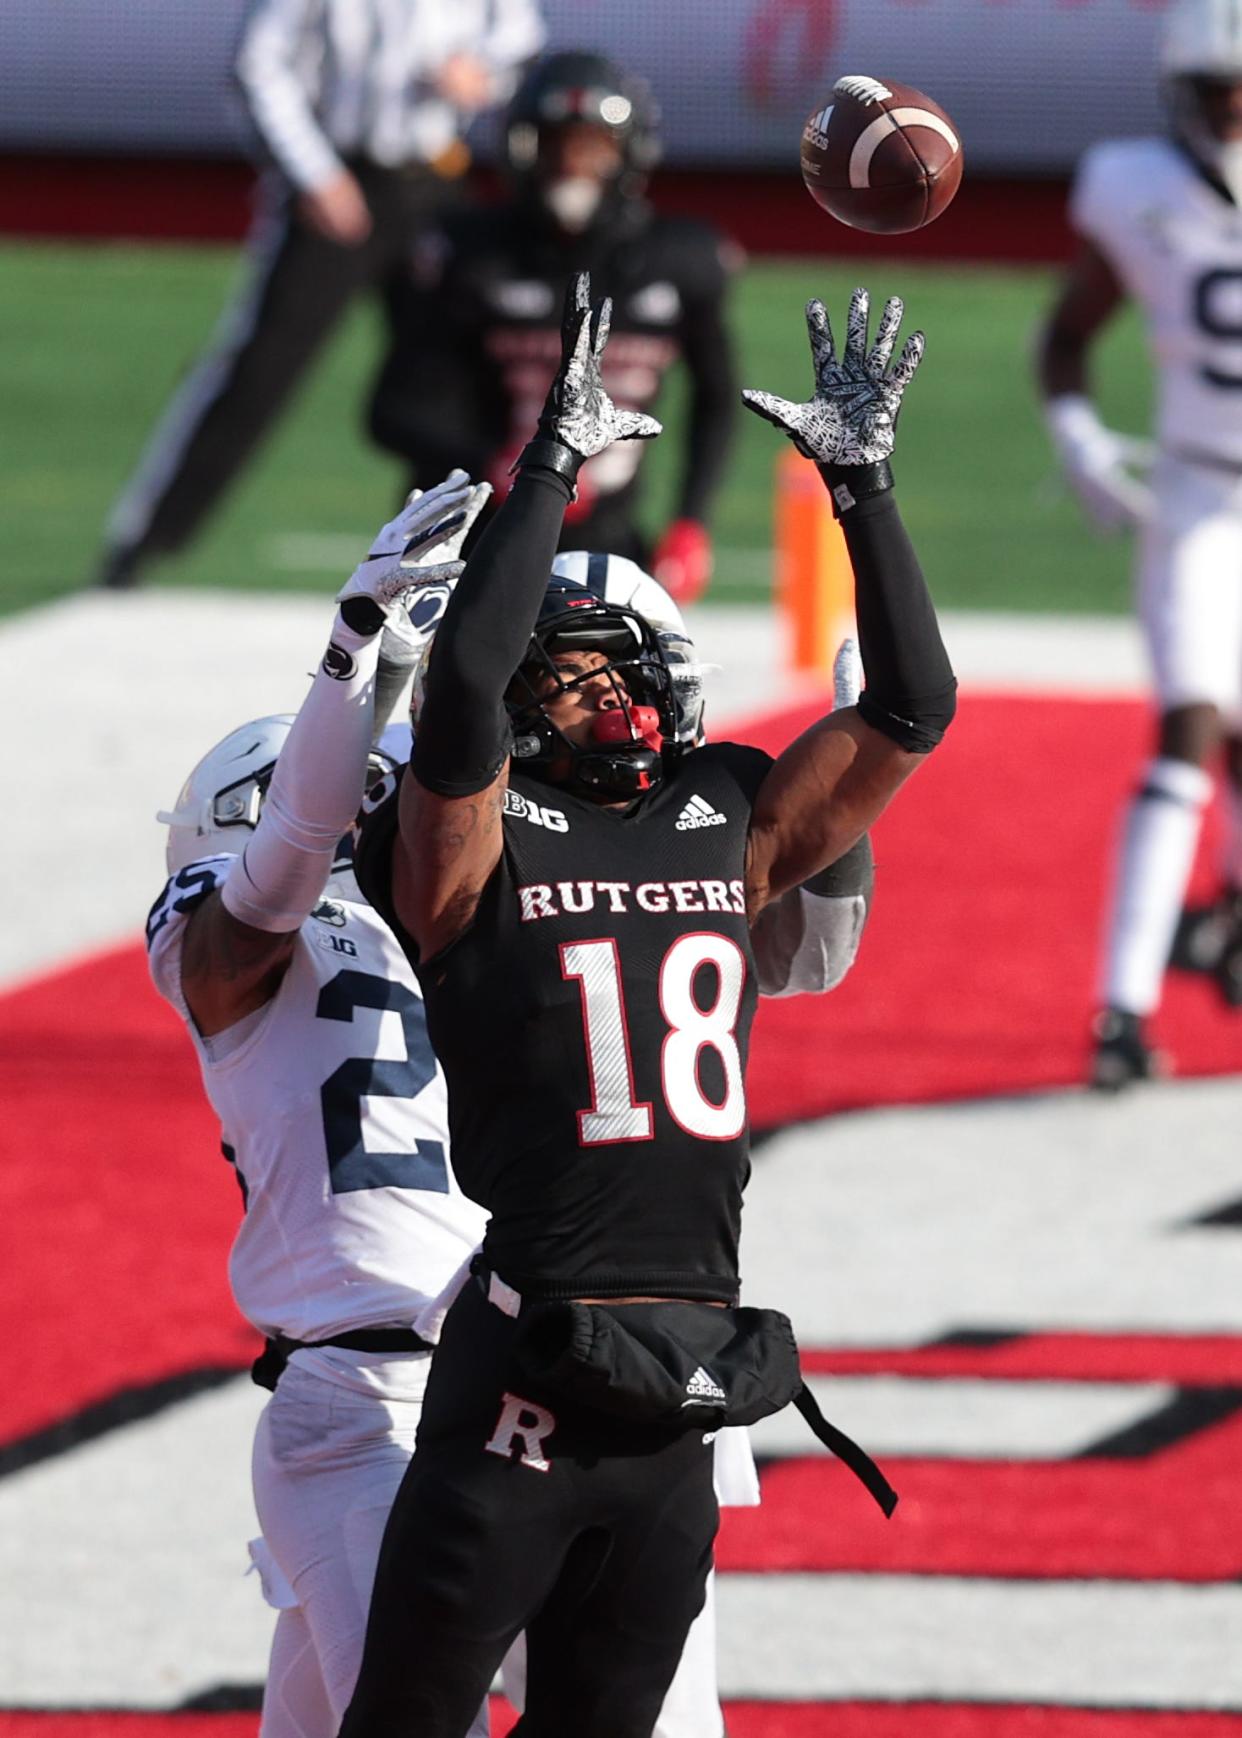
(422,558)
(414,617)
(1095,461)
(418,547)
(851,417)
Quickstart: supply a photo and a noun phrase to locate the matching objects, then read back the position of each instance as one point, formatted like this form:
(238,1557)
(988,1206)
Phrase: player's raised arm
(240,939)
(449,837)
(827,788)
(1097,461)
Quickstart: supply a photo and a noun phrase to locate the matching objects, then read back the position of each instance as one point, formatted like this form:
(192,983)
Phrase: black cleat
(1122,1054)
(1227,969)
(1200,937)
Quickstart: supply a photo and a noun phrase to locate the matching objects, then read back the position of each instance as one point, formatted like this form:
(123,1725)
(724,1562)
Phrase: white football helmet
(615,579)
(1203,42)
(1203,38)
(221,801)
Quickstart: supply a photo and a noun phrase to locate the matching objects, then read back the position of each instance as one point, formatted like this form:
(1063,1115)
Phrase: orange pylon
(814,579)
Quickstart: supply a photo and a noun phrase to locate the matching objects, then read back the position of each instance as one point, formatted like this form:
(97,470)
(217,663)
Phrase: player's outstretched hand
(425,560)
(578,411)
(1099,464)
(420,546)
(851,417)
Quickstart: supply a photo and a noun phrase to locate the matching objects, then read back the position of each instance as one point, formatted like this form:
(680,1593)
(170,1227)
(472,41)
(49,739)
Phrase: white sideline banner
(1029,82)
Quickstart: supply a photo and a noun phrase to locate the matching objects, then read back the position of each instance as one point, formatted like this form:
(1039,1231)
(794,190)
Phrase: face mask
(573,201)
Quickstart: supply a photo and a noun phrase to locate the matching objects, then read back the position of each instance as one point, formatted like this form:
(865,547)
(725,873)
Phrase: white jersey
(334,1111)
(1175,243)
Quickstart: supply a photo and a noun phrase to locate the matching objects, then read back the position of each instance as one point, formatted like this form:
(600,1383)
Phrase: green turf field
(93,338)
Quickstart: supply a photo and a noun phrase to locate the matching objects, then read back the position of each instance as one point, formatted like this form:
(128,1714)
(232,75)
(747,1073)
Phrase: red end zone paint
(1157,1519)
(126,1209)
(977,967)
(745,1720)
(1190,1361)
(974,978)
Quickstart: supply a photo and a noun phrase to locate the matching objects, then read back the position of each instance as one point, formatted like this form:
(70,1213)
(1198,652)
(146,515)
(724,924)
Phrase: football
(881,156)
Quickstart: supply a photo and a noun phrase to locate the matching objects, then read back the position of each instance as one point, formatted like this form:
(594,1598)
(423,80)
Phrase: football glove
(405,630)
(416,548)
(578,411)
(851,417)
(1095,460)
(683,560)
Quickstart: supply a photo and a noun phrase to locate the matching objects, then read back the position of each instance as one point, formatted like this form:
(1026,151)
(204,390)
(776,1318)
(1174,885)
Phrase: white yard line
(911,1638)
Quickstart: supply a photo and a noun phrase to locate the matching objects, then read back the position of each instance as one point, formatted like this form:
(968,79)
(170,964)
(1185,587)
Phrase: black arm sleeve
(707,347)
(911,689)
(463,728)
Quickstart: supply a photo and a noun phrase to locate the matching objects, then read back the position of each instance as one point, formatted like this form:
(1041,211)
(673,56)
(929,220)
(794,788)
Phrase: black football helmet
(577,86)
(634,742)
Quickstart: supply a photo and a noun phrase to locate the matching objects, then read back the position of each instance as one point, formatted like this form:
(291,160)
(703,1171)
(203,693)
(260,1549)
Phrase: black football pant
(297,286)
(594,1537)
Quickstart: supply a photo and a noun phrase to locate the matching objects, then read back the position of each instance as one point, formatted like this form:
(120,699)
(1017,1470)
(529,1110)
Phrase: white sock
(1157,854)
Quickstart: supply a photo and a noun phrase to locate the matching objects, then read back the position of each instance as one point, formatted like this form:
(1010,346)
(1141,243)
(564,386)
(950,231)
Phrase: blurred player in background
(1161,224)
(359,107)
(476,323)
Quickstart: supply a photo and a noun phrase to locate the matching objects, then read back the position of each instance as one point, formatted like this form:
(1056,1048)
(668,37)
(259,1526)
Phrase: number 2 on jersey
(614,1113)
(350,1165)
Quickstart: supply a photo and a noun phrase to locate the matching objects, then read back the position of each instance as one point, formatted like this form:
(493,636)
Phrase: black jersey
(593,1026)
(476,341)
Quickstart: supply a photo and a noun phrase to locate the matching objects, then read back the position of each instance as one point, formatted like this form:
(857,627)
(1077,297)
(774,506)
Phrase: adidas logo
(701,1386)
(698,812)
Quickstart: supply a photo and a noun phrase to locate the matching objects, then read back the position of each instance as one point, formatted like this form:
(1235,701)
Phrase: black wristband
(362,615)
(850,877)
(850,484)
(546,453)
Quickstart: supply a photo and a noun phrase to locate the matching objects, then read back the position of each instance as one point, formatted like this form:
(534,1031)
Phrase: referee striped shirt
(330,79)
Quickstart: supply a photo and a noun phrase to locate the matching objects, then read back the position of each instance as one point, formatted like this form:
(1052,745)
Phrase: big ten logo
(522,1421)
(535,813)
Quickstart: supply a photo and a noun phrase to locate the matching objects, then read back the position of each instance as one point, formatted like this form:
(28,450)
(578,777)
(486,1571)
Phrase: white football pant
(1190,586)
(327,1462)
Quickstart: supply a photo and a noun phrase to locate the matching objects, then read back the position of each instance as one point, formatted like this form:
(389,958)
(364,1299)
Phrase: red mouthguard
(623,725)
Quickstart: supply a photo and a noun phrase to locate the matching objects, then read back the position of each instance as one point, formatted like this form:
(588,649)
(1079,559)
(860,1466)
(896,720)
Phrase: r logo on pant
(522,1418)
